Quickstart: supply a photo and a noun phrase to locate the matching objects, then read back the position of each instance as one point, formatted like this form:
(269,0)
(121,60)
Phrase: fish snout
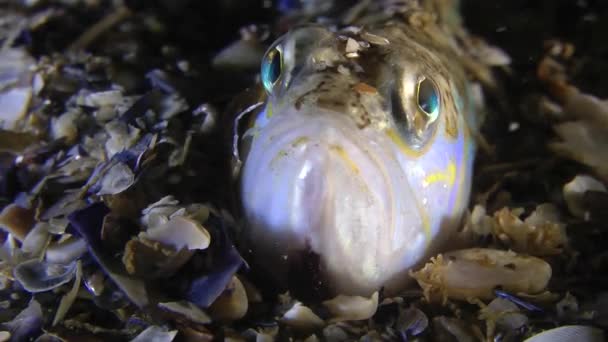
(317,187)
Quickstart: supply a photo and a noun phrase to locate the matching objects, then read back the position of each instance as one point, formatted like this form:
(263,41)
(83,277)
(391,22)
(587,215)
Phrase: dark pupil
(271,71)
(428,100)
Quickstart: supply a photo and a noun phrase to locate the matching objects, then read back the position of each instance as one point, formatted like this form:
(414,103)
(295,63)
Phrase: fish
(356,164)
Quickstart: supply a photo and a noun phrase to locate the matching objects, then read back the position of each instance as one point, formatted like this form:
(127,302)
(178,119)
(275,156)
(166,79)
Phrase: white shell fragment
(122,136)
(575,190)
(504,314)
(66,251)
(68,299)
(352,308)
(180,232)
(158,212)
(567,333)
(36,241)
(16,86)
(302,318)
(13,106)
(65,126)
(39,276)
(100,98)
(374,39)
(352,46)
(116,180)
(155,334)
(476,272)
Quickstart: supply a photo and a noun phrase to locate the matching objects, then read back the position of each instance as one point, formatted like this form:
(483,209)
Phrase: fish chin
(319,183)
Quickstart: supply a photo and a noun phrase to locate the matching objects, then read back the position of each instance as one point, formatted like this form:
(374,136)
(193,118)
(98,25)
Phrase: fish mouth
(315,181)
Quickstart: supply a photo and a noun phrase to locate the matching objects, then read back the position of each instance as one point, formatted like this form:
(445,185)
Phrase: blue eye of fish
(428,98)
(272,66)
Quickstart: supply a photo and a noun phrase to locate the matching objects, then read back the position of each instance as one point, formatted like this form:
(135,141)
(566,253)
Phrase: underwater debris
(352,308)
(541,233)
(476,272)
(569,333)
(39,276)
(302,318)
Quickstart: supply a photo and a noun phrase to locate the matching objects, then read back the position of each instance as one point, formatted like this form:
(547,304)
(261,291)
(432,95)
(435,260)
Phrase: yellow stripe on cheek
(342,154)
(448,176)
(396,139)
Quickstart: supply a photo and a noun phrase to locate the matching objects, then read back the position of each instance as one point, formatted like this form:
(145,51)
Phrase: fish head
(360,155)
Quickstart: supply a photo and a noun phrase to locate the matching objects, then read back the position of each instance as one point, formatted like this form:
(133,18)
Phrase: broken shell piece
(476,272)
(575,190)
(503,314)
(16,221)
(302,318)
(66,126)
(36,241)
(68,299)
(188,310)
(566,307)
(374,39)
(156,334)
(412,321)
(39,276)
(352,46)
(66,251)
(539,234)
(150,259)
(116,180)
(27,324)
(16,88)
(14,104)
(100,98)
(232,304)
(569,333)
(88,223)
(335,333)
(122,137)
(179,232)
(158,212)
(478,222)
(352,308)
(10,251)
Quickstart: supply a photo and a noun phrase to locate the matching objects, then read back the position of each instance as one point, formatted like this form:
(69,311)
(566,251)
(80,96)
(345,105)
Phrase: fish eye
(415,106)
(427,98)
(272,65)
